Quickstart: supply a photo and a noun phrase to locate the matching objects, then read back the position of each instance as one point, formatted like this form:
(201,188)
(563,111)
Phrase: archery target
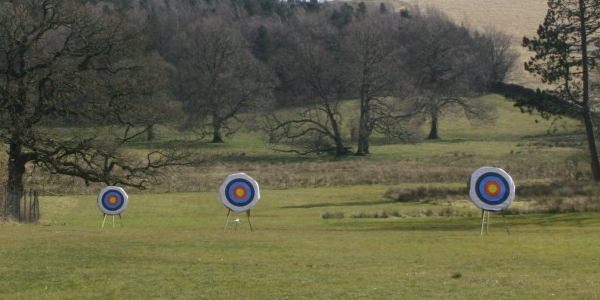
(239,192)
(112,200)
(491,189)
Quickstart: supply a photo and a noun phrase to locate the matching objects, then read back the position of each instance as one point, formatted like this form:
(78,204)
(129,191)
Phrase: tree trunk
(340,150)
(433,131)
(14,185)
(150,134)
(363,129)
(587,118)
(363,140)
(217,137)
(591,139)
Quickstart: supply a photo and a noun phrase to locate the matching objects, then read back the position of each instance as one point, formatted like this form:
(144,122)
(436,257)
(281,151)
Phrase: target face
(239,192)
(112,200)
(491,189)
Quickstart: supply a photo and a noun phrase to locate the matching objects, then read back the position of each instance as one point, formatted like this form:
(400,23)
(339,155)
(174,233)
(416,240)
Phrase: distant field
(516,18)
(529,147)
(173,246)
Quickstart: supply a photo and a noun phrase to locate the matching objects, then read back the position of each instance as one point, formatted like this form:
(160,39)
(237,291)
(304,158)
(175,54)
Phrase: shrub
(332,215)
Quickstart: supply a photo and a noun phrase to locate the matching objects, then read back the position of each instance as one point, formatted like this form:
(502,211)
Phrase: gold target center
(112,200)
(240,192)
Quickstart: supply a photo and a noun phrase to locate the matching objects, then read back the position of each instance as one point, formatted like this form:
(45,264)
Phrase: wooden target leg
(249,223)
(505,224)
(487,223)
(482,220)
(227,221)
(113,217)
(104,220)
(121,220)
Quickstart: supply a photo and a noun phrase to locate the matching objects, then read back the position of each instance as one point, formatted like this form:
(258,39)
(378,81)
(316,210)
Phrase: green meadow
(324,227)
(175,246)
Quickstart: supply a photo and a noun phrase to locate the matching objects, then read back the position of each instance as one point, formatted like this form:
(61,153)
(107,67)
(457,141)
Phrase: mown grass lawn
(173,246)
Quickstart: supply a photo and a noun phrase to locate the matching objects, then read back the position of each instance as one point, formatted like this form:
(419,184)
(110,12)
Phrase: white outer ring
(223,196)
(113,212)
(473,193)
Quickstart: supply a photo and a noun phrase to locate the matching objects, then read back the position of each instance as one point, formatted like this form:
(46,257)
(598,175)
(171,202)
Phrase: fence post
(4,203)
(27,203)
(37,206)
(20,196)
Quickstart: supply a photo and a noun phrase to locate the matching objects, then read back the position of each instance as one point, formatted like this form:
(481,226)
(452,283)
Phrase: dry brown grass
(525,168)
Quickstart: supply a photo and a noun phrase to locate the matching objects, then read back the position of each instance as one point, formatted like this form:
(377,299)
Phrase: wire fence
(28,202)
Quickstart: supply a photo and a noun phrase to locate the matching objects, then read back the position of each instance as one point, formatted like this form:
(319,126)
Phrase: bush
(422,193)
(332,215)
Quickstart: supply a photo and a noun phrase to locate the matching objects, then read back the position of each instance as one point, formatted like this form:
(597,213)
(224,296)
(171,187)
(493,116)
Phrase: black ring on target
(490,199)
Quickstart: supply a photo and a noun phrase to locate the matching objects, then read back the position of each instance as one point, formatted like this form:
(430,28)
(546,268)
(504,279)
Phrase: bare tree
(448,65)
(373,70)
(313,61)
(495,57)
(218,77)
(62,62)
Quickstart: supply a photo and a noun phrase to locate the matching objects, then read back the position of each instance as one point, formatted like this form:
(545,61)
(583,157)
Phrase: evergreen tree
(562,58)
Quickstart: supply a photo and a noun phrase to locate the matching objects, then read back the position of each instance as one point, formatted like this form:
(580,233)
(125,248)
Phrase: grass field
(173,246)
(332,228)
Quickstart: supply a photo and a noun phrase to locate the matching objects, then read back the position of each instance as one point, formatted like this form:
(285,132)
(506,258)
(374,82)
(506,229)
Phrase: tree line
(115,69)
(404,67)
(124,66)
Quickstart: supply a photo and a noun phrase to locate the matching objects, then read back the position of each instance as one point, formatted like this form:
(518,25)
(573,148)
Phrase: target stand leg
(249,223)
(113,217)
(103,221)
(482,220)
(505,224)
(487,224)
(227,221)
(120,220)
(485,221)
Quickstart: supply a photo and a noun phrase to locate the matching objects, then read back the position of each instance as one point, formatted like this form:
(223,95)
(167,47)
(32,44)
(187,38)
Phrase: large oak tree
(63,63)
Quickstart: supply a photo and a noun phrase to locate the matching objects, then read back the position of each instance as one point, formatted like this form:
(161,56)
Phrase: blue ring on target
(109,197)
(239,192)
(489,179)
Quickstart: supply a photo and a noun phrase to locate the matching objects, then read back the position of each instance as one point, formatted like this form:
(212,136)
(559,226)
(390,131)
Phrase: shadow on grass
(497,223)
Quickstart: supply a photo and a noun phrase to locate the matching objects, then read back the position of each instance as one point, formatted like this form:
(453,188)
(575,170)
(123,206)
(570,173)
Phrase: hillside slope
(516,18)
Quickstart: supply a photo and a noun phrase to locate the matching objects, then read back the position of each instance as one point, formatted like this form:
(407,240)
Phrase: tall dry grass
(328,173)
